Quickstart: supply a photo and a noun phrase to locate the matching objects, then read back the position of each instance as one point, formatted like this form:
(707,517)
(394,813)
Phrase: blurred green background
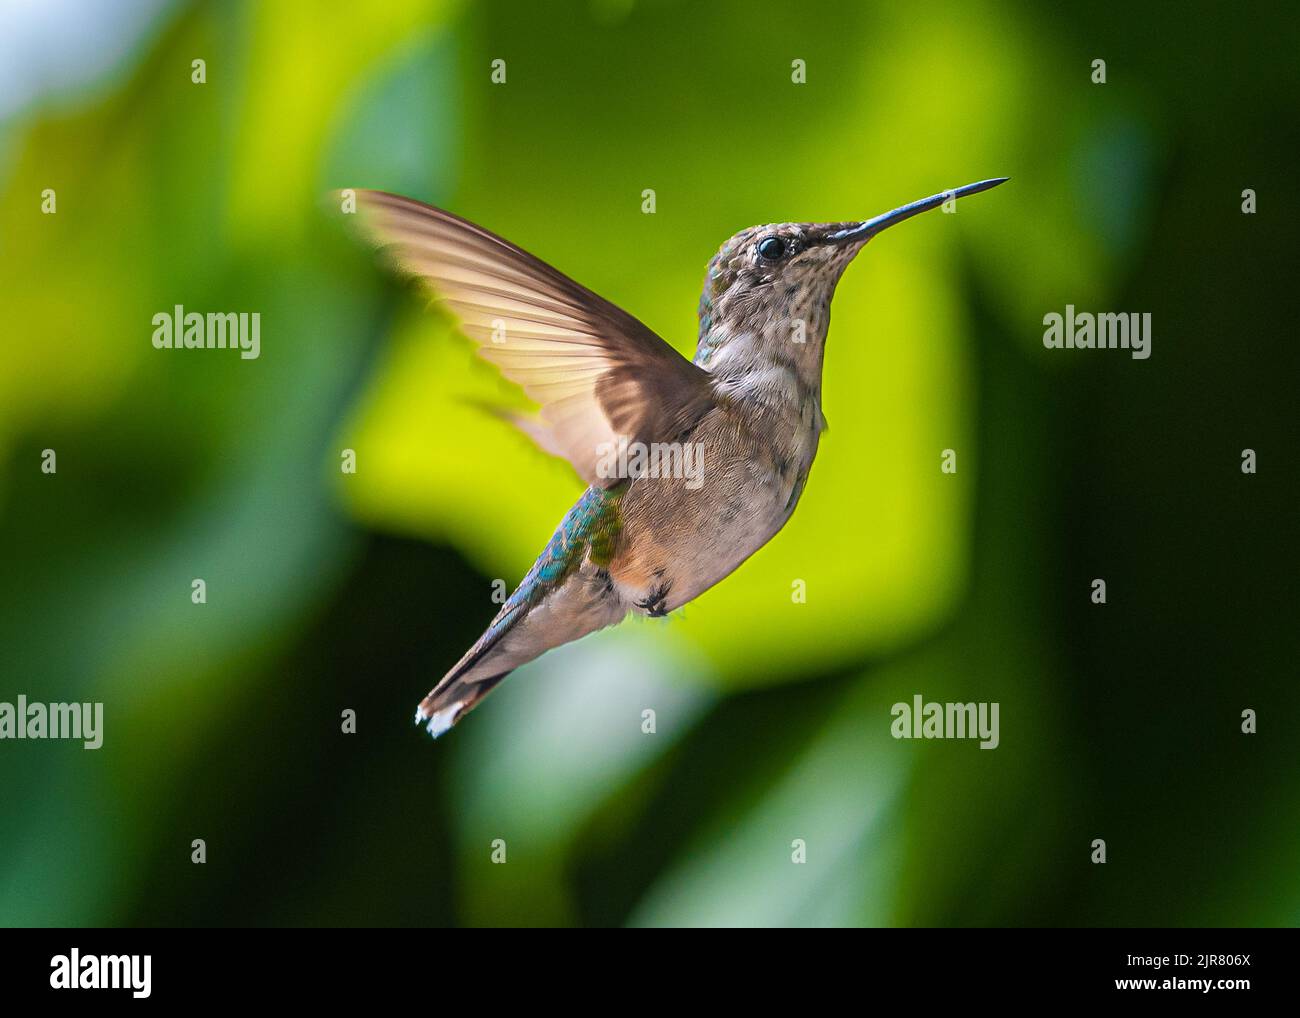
(330,592)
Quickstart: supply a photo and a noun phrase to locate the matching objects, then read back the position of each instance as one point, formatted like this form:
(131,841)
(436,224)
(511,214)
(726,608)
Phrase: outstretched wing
(598,373)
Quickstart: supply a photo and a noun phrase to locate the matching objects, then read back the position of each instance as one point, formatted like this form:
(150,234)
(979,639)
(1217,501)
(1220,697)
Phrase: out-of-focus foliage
(331,591)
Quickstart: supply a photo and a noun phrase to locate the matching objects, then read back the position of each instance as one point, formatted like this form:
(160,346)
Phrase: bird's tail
(552,605)
(452,698)
(472,678)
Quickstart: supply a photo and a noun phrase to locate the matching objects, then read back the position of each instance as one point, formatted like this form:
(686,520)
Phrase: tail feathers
(451,699)
(466,684)
(558,605)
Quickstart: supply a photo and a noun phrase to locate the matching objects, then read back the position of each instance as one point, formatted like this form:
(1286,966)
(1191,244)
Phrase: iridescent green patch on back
(608,529)
(594,523)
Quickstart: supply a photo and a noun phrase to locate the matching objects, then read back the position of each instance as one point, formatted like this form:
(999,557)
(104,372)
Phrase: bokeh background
(330,592)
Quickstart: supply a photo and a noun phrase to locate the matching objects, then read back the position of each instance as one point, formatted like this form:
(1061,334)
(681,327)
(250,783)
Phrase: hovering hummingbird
(639,539)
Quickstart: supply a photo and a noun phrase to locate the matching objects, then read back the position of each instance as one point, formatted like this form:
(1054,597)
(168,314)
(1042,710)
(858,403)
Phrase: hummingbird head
(769,286)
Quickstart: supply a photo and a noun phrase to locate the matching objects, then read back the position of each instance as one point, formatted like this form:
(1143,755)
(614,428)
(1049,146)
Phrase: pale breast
(681,535)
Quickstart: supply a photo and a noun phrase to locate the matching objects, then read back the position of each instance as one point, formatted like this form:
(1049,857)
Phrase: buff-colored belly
(676,542)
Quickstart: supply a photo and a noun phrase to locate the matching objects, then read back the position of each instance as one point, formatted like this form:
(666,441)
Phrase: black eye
(771,248)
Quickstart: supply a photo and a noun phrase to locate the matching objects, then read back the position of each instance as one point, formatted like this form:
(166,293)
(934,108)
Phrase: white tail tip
(441,721)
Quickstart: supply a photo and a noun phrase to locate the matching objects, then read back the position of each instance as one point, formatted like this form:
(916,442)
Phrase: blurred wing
(597,372)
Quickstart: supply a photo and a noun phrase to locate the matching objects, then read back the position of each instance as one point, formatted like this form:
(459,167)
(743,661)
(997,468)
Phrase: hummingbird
(746,412)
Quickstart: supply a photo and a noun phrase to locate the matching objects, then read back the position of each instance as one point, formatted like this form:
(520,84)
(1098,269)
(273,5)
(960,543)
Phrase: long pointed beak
(870,227)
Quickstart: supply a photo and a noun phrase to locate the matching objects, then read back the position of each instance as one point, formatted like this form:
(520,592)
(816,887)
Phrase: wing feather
(598,373)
